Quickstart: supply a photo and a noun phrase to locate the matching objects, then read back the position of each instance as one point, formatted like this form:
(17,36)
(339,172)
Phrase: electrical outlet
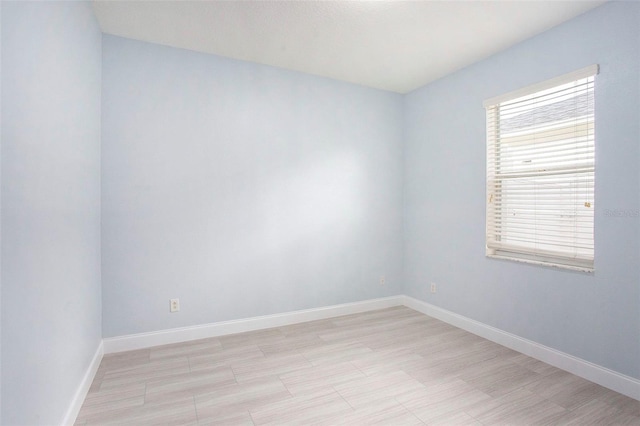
(174,305)
(382,280)
(433,288)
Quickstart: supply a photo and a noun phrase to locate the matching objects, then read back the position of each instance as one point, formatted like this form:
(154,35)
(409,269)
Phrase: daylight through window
(540,172)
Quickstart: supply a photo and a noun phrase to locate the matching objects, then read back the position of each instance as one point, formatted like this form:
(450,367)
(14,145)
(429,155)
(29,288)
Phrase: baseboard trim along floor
(185,334)
(587,370)
(603,376)
(83,388)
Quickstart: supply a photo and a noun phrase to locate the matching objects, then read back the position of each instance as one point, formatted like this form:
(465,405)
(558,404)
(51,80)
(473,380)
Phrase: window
(540,172)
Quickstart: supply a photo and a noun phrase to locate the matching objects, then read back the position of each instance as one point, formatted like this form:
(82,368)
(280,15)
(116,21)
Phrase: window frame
(529,251)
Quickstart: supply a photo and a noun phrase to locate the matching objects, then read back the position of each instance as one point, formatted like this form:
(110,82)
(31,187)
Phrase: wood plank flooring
(393,366)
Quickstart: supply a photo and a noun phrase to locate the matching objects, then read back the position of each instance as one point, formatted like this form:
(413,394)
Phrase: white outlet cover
(174,305)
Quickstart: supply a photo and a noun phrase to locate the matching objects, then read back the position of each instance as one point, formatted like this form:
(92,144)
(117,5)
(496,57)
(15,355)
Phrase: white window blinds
(540,172)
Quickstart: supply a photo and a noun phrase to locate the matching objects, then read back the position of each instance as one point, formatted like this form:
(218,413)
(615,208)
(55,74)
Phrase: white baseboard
(184,334)
(608,378)
(83,388)
(613,380)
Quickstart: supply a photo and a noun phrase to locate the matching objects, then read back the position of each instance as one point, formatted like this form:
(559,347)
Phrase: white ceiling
(391,45)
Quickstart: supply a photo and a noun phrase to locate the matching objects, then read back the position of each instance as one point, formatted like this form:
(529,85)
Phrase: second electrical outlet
(174,305)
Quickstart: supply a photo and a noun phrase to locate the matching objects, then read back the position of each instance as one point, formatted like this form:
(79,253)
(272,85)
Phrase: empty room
(320,212)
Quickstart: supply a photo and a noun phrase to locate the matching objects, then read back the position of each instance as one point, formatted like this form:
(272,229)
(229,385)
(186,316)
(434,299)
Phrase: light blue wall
(241,189)
(0,210)
(50,206)
(595,317)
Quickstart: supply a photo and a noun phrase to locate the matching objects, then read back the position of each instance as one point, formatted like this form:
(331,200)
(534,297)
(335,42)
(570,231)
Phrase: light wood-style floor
(393,366)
